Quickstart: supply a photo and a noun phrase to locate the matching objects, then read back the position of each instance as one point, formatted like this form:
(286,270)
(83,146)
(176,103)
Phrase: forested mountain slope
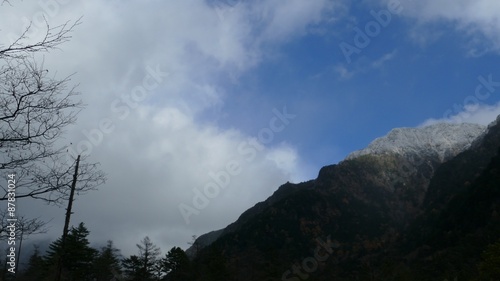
(384,213)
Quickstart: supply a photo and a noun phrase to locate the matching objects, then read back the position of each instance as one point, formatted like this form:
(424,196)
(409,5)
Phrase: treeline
(81,262)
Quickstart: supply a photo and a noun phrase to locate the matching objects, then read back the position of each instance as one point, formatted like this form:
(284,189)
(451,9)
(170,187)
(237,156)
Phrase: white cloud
(162,149)
(291,19)
(347,71)
(285,158)
(385,58)
(344,73)
(479,19)
(478,113)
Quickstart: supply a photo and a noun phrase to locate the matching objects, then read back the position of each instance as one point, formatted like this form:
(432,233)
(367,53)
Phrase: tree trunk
(68,216)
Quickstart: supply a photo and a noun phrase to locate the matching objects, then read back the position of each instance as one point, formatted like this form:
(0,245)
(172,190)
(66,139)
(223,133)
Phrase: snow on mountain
(441,141)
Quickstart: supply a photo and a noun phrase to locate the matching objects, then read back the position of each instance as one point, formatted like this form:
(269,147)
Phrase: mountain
(396,210)
(439,141)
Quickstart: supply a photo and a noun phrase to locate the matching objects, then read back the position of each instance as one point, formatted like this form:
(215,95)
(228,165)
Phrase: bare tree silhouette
(35,108)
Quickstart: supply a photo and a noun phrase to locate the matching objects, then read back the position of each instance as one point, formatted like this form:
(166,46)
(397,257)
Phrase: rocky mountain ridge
(441,141)
(438,142)
(389,203)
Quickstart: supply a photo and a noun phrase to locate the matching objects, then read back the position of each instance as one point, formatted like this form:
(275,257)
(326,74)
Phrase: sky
(197,110)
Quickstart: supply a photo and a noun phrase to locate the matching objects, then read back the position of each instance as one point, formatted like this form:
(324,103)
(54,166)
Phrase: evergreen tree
(35,269)
(489,268)
(107,263)
(77,257)
(176,264)
(144,266)
(148,255)
(132,268)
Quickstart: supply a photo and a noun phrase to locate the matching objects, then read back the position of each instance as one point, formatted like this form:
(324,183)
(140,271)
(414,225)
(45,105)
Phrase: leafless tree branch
(24,227)
(51,39)
(34,110)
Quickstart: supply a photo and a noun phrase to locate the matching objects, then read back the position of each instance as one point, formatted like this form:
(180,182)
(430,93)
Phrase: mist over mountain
(416,204)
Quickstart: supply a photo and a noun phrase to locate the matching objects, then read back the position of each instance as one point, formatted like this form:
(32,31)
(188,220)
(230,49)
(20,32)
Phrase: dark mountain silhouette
(418,204)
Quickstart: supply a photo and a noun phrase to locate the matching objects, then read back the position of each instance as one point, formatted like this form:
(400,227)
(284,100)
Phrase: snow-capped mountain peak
(442,141)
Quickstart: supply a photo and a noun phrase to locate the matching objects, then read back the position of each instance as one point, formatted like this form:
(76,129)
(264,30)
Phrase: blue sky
(217,73)
(396,81)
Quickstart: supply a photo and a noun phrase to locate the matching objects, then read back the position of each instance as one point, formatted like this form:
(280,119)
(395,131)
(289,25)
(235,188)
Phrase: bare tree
(195,245)
(51,180)
(24,227)
(34,110)
(51,39)
(149,256)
